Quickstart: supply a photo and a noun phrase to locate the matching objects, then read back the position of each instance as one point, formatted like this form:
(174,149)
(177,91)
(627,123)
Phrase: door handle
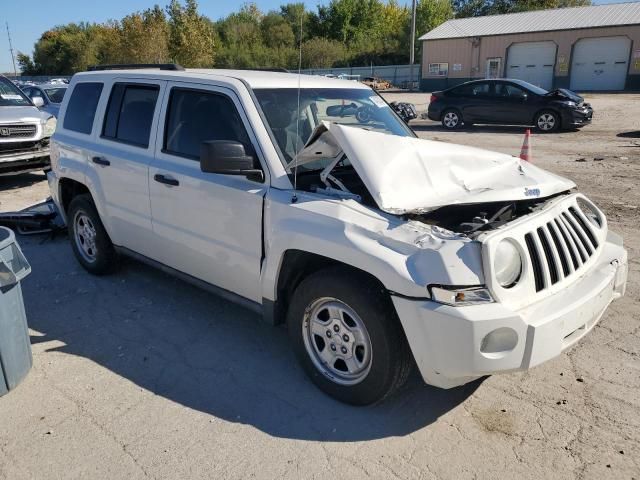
(101,161)
(166,180)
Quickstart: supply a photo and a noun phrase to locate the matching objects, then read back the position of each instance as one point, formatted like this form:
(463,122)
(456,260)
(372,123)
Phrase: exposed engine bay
(473,219)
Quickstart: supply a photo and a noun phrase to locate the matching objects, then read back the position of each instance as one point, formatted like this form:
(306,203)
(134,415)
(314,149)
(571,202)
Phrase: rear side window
(81,108)
(130,113)
(472,89)
(194,117)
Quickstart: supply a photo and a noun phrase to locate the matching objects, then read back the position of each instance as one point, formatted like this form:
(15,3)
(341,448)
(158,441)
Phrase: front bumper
(578,117)
(33,156)
(449,344)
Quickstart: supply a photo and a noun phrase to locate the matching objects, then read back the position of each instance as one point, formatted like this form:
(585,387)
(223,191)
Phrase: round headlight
(507,264)
(50,126)
(590,211)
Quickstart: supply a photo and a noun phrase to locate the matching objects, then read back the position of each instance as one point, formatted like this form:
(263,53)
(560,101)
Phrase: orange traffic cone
(525,153)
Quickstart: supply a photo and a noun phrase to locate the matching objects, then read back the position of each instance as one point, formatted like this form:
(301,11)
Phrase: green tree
(26,65)
(322,53)
(476,8)
(276,31)
(191,36)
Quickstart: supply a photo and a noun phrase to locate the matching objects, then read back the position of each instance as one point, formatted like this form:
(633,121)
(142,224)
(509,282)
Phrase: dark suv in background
(508,102)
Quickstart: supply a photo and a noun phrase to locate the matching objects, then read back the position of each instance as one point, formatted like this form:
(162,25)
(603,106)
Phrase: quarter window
(81,108)
(130,113)
(194,117)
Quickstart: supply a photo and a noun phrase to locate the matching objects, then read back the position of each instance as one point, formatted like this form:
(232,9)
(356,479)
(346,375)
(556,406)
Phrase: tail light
(433,99)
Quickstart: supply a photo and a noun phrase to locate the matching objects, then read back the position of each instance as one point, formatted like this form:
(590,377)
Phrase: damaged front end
(462,189)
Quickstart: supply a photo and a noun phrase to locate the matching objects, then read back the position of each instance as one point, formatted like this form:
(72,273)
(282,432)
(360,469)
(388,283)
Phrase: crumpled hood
(26,114)
(405,174)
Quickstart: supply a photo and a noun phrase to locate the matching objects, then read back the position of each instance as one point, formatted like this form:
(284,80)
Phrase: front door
(209,225)
(513,105)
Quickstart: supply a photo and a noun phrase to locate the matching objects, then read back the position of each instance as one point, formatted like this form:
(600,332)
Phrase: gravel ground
(138,375)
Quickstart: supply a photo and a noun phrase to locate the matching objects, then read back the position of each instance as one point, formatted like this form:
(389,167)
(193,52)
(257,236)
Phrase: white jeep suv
(308,200)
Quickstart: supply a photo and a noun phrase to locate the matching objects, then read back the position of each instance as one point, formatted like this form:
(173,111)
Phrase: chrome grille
(560,247)
(17,131)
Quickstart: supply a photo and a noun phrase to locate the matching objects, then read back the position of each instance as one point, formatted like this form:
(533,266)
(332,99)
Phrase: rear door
(209,225)
(119,162)
(474,100)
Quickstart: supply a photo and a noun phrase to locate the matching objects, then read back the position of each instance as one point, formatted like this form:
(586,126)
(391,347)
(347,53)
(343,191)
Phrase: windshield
(55,95)
(356,107)
(11,96)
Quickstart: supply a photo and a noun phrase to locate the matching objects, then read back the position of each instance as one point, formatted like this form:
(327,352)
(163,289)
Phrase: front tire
(347,336)
(547,121)
(451,119)
(89,240)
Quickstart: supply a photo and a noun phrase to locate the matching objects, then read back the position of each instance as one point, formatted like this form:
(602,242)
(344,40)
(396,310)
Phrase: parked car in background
(51,95)
(509,102)
(25,131)
(376,83)
(375,247)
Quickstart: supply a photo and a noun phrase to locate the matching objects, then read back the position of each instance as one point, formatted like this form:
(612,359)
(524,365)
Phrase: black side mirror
(228,157)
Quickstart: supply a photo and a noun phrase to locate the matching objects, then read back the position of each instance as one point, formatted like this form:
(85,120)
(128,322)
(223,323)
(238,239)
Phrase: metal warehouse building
(581,48)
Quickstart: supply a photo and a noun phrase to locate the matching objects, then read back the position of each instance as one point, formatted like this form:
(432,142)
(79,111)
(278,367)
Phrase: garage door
(532,62)
(600,63)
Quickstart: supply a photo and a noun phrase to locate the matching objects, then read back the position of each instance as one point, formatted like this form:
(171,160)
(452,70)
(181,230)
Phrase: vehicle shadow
(13,182)
(631,134)
(202,352)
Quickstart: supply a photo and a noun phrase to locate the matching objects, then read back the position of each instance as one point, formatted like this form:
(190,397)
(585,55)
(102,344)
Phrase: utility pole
(13,59)
(412,52)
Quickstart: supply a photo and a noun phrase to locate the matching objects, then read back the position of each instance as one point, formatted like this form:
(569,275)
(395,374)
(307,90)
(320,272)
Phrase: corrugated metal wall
(472,54)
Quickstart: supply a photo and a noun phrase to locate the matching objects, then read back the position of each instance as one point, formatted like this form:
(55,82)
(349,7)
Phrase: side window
(194,116)
(81,108)
(130,113)
(510,91)
(472,89)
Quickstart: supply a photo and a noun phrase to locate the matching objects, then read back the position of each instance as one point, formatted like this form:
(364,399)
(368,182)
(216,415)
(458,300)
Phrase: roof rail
(133,66)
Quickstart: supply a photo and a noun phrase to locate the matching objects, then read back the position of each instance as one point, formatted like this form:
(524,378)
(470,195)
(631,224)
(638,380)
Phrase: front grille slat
(571,248)
(553,260)
(11,131)
(586,226)
(580,233)
(579,247)
(559,247)
(536,262)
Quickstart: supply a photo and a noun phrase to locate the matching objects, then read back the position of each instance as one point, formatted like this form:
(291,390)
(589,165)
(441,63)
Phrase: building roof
(539,21)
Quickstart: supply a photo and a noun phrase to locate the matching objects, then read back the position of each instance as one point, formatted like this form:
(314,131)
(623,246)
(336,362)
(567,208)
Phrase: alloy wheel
(337,341)
(546,122)
(85,236)
(451,120)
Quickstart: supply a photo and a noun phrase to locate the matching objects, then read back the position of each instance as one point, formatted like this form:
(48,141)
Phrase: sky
(27,24)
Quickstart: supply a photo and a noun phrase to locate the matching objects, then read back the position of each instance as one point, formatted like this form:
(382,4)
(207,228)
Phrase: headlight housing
(507,263)
(460,296)
(50,126)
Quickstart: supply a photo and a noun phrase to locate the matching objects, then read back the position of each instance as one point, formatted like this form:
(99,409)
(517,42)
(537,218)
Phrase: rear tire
(451,119)
(547,121)
(89,240)
(347,336)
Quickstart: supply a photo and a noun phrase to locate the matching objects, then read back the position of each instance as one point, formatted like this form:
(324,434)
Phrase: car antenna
(294,198)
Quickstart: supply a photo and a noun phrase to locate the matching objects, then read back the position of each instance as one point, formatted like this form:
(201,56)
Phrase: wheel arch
(295,266)
(68,189)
